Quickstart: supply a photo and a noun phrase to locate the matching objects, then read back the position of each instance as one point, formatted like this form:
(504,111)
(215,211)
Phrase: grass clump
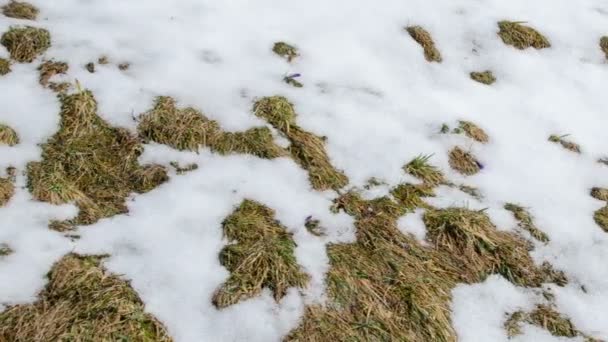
(568,145)
(601,218)
(90,163)
(5,66)
(306,149)
(285,50)
(26,43)
(20,10)
(525,222)
(463,162)
(7,190)
(473,131)
(485,77)
(421,169)
(180,170)
(82,302)
(189,129)
(600,193)
(545,317)
(604,45)
(5,250)
(423,37)
(261,256)
(521,36)
(49,69)
(8,136)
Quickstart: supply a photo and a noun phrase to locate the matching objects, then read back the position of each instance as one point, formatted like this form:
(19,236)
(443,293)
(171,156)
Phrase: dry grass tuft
(20,10)
(604,45)
(521,36)
(545,317)
(473,131)
(306,149)
(421,169)
(7,190)
(124,66)
(5,66)
(525,222)
(285,50)
(180,170)
(568,145)
(5,250)
(463,162)
(82,302)
(600,194)
(8,136)
(49,69)
(90,163)
(260,255)
(189,129)
(423,37)
(601,218)
(485,77)
(26,43)
(103,60)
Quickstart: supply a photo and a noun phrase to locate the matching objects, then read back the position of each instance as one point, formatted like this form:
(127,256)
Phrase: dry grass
(103,60)
(59,87)
(20,10)
(285,50)
(421,169)
(124,66)
(180,170)
(7,190)
(485,77)
(601,218)
(5,250)
(49,69)
(260,255)
(471,191)
(526,222)
(463,162)
(82,302)
(600,193)
(26,43)
(568,145)
(521,36)
(5,66)
(423,37)
(306,149)
(544,317)
(473,131)
(8,136)
(90,163)
(189,129)
(604,45)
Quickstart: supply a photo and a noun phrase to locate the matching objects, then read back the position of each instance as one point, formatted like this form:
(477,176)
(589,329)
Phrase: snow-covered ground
(369,90)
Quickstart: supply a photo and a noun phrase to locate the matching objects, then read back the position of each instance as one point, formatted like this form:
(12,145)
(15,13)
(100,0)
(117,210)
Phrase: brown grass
(82,302)
(306,149)
(600,193)
(189,129)
(49,69)
(8,136)
(485,77)
(90,163)
(7,190)
(124,66)
(526,222)
(521,36)
(604,45)
(601,218)
(26,43)
(568,145)
(260,255)
(423,37)
(471,191)
(463,162)
(545,317)
(473,131)
(20,10)
(5,66)
(90,67)
(421,169)
(285,50)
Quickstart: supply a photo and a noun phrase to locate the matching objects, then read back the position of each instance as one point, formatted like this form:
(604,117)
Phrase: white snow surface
(370,91)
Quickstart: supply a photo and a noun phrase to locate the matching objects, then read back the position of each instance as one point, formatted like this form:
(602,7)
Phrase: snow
(380,104)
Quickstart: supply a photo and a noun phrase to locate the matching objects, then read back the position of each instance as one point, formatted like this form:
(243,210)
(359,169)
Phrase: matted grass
(526,222)
(20,10)
(547,318)
(82,302)
(5,66)
(485,77)
(424,38)
(520,36)
(463,162)
(26,43)
(8,136)
(473,131)
(49,69)
(604,45)
(306,148)
(568,145)
(600,193)
(7,190)
(601,218)
(287,51)
(189,129)
(260,255)
(90,163)
(421,169)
